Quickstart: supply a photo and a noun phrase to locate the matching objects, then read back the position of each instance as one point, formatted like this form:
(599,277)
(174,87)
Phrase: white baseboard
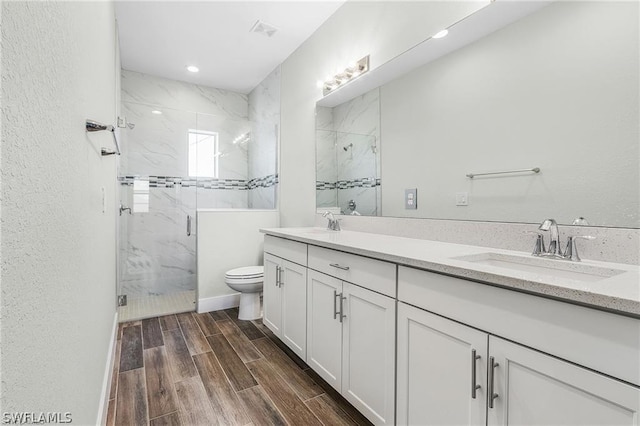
(219,302)
(106,382)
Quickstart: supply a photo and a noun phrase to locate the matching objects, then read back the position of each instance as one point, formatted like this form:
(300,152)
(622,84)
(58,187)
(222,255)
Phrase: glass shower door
(157,251)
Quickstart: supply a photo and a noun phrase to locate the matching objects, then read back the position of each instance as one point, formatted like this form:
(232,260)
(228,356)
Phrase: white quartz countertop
(620,292)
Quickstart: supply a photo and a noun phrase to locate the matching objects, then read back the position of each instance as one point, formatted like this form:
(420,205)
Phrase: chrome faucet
(333,223)
(554,250)
(554,237)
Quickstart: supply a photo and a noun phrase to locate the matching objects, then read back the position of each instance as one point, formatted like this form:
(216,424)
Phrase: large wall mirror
(556,90)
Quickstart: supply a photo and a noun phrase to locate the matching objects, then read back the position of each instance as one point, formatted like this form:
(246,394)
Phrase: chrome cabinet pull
(342,315)
(335,304)
(188,226)
(281,276)
(474,385)
(337,265)
(277,276)
(492,365)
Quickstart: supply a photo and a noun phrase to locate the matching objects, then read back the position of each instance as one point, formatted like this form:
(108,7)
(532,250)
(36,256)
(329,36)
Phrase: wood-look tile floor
(209,369)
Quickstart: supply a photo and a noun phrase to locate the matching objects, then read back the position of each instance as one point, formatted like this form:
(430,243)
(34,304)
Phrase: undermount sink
(318,231)
(541,266)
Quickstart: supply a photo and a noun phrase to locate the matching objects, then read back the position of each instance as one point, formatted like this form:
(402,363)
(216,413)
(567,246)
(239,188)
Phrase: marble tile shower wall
(156,255)
(347,154)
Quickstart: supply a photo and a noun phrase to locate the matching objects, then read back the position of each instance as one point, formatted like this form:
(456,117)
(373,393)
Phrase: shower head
(346,148)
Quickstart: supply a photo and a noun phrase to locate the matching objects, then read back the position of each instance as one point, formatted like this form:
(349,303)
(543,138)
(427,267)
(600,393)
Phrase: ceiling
(161,38)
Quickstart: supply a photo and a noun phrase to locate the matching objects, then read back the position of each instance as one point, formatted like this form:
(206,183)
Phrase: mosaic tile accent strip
(368,182)
(205,183)
(321,185)
(263,182)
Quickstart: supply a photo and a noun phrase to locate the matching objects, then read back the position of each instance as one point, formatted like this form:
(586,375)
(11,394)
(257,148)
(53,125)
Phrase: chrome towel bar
(94,126)
(534,170)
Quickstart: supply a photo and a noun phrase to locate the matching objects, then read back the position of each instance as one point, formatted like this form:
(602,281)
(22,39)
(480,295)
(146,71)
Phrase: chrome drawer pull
(342,299)
(474,386)
(337,265)
(492,366)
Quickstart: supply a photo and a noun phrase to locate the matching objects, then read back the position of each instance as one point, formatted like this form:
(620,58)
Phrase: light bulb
(441,34)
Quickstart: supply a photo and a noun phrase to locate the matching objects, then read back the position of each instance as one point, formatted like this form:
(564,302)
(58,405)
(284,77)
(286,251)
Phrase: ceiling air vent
(263,28)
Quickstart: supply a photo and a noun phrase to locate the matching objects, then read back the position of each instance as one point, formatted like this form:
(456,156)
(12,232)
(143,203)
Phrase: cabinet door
(293,281)
(324,330)
(368,353)
(437,359)
(537,389)
(272,295)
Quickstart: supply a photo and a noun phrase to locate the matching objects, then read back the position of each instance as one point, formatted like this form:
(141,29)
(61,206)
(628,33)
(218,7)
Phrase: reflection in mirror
(548,91)
(347,176)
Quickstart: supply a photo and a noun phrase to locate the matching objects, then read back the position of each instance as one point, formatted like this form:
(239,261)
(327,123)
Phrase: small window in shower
(203,154)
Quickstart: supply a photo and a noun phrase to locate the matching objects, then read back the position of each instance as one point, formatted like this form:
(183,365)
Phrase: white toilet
(248,281)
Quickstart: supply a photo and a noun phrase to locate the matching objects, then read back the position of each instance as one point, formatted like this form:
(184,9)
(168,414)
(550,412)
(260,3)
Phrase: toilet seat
(245,275)
(248,281)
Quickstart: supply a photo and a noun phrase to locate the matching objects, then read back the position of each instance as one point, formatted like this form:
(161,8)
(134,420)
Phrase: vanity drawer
(286,249)
(372,274)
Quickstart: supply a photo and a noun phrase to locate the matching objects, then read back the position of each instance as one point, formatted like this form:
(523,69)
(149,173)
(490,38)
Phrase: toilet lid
(246,272)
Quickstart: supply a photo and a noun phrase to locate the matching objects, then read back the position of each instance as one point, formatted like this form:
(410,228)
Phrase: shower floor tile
(153,306)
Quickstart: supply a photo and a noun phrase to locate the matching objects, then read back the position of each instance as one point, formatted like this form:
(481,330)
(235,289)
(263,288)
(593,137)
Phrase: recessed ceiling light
(441,34)
(155,111)
(193,68)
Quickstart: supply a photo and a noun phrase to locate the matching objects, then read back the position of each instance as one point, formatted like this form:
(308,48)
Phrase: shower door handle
(188,226)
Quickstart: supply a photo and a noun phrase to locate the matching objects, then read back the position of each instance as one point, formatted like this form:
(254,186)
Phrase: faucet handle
(539,247)
(580,221)
(571,252)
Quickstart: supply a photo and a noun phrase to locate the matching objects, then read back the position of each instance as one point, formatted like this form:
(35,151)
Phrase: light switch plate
(411,199)
(462,199)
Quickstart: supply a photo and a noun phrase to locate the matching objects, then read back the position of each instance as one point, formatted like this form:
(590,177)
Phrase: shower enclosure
(348,156)
(346,173)
(174,162)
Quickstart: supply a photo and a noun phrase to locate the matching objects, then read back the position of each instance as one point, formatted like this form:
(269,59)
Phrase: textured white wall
(58,246)
(547,91)
(381,29)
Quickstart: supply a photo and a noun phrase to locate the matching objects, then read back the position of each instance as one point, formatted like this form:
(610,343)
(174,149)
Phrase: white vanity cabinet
(351,331)
(410,346)
(532,388)
(441,362)
(437,358)
(285,292)
(442,374)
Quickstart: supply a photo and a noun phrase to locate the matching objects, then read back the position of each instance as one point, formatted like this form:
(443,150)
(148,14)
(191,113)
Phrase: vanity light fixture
(155,111)
(192,68)
(343,77)
(440,34)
